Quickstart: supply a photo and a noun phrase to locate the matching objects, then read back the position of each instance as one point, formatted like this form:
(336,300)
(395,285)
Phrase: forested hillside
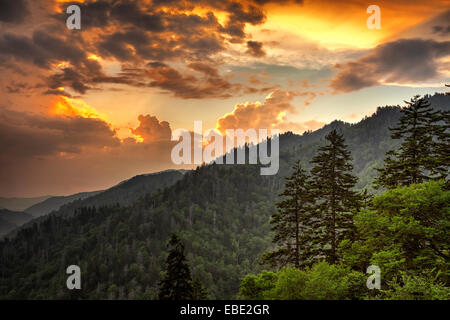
(125,193)
(221,212)
(54,203)
(10,220)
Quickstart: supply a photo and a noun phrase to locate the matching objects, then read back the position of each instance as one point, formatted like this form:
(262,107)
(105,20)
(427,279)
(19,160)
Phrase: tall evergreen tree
(441,144)
(336,202)
(418,158)
(290,222)
(199,290)
(177,281)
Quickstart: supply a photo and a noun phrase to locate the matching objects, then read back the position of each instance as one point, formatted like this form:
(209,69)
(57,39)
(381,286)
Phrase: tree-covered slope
(54,203)
(126,192)
(10,220)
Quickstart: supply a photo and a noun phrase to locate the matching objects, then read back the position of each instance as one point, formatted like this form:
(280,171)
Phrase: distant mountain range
(10,220)
(124,193)
(20,204)
(54,203)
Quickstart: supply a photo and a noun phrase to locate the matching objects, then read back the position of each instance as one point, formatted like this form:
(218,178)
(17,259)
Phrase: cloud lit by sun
(94,57)
(71,107)
(340,25)
(136,136)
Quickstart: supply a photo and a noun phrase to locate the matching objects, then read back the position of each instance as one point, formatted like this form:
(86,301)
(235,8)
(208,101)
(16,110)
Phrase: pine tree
(177,281)
(199,290)
(441,145)
(290,222)
(419,156)
(336,202)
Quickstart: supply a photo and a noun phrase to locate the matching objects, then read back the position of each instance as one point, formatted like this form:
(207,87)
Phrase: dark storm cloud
(76,78)
(41,49)
(135,32)
(58,48)
(255,48)
(401,61)
(94,14)
(22,48)
(202,46)
(115,45)
(28,135)
(262,2)
(204,68)
(131,79)
(190,24)
(441,25)
(151,17)
(144,46)
(104,12)
(18,87)
(441,30)
(132,13)
(252,14)
(156,64)
(239,16)
(188,86)
(13,11)
(57,92)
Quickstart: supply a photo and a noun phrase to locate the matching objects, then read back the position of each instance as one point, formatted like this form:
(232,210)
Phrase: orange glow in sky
(74,108)
(343,24)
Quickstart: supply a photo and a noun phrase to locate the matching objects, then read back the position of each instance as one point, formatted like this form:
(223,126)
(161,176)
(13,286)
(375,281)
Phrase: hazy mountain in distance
(20,204)
(128,191)
(54,203)
(10,220)
(124,193)
(5,227)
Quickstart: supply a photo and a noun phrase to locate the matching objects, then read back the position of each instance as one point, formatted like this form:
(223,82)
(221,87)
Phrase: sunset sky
(81,110)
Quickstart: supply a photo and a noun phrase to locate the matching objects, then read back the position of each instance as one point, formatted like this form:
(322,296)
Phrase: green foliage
(321,281)
(256,287)
(199,290)
(406,230)
(415,288)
